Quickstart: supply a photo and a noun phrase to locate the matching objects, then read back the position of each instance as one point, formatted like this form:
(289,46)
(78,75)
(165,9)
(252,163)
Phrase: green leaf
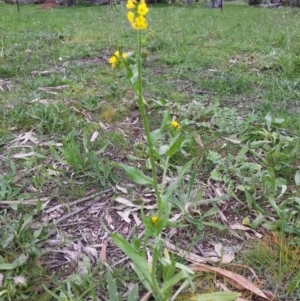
(215,175)
(219,296)
(163,149)
(111,287)
(184,168)
(278,120)
(174,148)
(214,225)
(37,232)
(18,262)
(259,143)
(26,221)
(174,280)
(141,267)
(257,221)
(297,177)
(156,134)
(210,212)
(52,294)
(268,119)
(166,120)
(133,296)
(136,175)
(195,221)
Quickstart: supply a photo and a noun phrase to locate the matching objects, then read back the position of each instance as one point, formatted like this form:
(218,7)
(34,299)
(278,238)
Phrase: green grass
(221,73)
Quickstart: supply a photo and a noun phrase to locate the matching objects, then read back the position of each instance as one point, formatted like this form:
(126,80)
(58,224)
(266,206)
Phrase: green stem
(153,168)
(147,131)
(153,270)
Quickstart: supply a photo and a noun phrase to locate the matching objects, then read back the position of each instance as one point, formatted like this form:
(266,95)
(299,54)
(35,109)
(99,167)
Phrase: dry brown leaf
(226,254)
(109,221)
(247,267)
(19,280)
(232,278)
(234,141)
(146,296)
(129,286)
(94,136)
(91,253)
(43,101)
(136,218)
(26,137)
(124,190)
(125,202)
(130,204)
(222,286)
(244,228)
(175,217)
(198,139)
(23,155)
(149,257)
(125,215)
(103,126)
(57,88)
(103,253)
(1,279)
(188,255)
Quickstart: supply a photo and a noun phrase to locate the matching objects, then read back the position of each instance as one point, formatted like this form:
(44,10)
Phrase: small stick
(87,198)
(72,213)
(17,1)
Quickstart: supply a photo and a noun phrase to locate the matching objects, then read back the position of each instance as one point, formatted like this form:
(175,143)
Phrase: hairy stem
(147,131)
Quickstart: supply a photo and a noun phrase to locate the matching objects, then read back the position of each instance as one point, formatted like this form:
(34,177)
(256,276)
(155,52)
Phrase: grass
(222,73)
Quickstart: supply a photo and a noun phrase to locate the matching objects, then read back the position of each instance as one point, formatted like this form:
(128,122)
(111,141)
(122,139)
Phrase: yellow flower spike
(175,125)
(140,22)
(154,220)
(143,9)
(130,17)
(130,4)
(113,61)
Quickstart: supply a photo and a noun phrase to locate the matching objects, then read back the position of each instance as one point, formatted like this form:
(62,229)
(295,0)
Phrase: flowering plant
(156,152)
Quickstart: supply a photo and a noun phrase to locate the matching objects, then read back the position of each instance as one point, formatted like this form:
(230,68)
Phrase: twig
(72,213)
(18,5)
(24,202)
(87,198)
(203,92)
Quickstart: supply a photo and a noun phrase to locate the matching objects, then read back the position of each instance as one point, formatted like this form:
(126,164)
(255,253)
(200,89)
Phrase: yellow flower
(130,17)
(130,4)
(140,22)
(175,125)
(113,61)
(124,55)
(117,54)
(143,9)
(154,220)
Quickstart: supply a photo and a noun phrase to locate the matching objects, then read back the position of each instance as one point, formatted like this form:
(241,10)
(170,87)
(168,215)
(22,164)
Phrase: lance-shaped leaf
(174,148)
(136,175)
(140,265)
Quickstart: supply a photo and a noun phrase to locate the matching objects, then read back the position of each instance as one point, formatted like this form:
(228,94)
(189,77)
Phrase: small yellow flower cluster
(137,14)
(175,125)
(115,59)
(154,220)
